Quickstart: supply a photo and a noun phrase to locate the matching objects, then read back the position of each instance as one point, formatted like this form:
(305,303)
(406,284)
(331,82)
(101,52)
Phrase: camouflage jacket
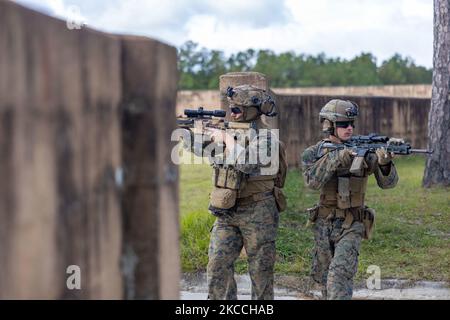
(319,170)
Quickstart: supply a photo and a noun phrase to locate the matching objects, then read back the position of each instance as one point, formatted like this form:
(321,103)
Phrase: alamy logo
(74,280)
(374,281)
(234,147)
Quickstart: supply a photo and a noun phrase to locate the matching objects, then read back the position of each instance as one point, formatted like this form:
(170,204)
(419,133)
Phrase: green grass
(411,238)
(196,221)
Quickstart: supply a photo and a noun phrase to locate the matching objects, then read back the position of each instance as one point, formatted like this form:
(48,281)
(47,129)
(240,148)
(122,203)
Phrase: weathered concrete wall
(396,117)
(209,98)
(401,91)
(61,94)
(187,99)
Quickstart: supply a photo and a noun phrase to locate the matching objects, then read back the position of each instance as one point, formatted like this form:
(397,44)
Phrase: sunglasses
(345,124)
(236,110)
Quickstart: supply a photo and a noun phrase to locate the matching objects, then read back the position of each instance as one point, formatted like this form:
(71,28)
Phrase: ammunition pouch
(280,199)
(223,198)
(228,178)
(343,195)
(344,192)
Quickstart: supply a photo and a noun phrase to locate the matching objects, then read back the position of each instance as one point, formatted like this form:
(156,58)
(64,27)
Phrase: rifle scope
(204,113)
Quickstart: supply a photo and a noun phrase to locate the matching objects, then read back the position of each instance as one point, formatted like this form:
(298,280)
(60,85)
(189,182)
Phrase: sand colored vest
(232,186)
(245,185)
(344,191)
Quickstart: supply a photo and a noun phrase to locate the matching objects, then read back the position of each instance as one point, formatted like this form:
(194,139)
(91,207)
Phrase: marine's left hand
(396,141)
(384,157)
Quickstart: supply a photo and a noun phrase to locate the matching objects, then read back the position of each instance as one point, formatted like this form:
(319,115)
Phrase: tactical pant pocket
(368,222)
(280,199)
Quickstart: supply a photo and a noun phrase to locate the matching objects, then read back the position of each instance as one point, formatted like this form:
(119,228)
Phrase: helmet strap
(335,135)
(336,138)
(245,113)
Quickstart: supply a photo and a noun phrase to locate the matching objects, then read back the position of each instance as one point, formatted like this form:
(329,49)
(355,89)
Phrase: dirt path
(193,287)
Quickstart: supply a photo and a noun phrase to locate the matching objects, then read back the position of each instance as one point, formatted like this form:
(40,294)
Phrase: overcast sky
(339,28)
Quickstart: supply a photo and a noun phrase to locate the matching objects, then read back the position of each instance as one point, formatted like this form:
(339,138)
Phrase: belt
(335,213)
(254,198)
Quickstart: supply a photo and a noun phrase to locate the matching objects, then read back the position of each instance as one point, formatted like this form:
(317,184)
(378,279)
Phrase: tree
(200,68)
(394,70)
(363,70)
(241,61)
(437,170)
(188,63)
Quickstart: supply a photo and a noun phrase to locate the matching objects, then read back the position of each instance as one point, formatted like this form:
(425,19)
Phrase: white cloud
(347,27)
(342,28)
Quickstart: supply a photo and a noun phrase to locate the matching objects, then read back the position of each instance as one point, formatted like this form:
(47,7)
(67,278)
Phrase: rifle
(364,144)
(201,119)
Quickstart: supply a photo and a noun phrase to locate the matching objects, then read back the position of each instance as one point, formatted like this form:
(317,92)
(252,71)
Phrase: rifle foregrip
(357,165)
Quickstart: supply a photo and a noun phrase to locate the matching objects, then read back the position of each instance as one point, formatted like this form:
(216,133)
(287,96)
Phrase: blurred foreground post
(150,196)
(77,108)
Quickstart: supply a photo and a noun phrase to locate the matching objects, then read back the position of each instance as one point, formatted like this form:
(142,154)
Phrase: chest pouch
(343,196)
(358,187)
(228,178)
(351,192)
(227,182)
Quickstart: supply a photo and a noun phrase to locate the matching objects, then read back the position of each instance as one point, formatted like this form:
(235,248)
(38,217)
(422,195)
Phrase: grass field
(411,238)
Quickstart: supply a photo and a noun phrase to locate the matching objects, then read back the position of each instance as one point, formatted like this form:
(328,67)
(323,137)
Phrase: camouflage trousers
(335,261)
(253,227)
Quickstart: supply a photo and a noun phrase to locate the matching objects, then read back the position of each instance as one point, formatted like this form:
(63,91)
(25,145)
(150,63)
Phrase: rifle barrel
(421,151)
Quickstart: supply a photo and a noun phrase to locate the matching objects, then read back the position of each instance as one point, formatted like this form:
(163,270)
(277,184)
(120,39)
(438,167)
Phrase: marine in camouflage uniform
(340,219)
(250,218)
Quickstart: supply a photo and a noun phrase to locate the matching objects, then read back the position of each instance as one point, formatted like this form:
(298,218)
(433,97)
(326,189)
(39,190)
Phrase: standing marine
(341,220)
(246,198)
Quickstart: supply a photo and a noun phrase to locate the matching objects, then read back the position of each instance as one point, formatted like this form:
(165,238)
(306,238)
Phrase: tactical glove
(396,141)
(384,157)
(345,157)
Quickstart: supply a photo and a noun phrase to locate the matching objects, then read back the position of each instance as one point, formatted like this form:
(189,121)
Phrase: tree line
(200,68)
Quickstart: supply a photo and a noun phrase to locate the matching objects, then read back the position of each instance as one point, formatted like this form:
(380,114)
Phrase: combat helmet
(251,101)
(336,111)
